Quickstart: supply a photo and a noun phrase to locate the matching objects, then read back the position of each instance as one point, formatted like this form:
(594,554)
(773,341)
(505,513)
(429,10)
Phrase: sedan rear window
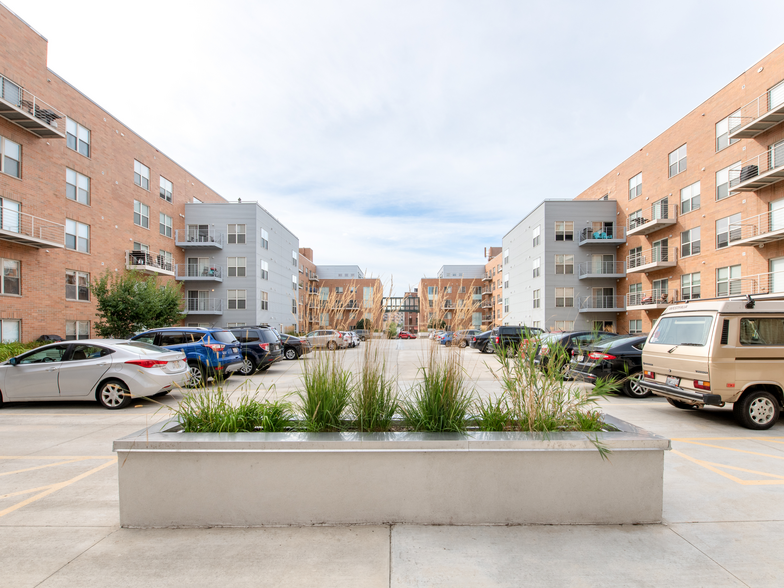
(224,337)
(682,330)
(144,348)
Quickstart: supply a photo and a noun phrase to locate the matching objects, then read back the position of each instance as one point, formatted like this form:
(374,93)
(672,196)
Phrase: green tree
(392,330)
(436,324)
(130,301)
(364,324)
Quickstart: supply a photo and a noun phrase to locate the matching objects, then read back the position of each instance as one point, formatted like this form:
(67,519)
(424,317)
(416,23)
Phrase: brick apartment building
(492,289)
(453,298)
(79,192)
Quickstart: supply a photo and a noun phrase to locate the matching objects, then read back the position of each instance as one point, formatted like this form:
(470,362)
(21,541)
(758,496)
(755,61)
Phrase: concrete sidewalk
(723,510)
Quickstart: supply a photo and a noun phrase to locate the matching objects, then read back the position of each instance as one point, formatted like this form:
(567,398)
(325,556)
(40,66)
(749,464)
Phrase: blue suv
(210,352)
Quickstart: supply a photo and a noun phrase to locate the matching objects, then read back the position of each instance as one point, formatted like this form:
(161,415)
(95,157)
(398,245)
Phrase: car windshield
(224,337)
(682,330)
(143,348)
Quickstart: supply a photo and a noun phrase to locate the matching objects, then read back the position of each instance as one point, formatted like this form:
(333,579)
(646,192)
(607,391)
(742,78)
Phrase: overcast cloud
(400,135)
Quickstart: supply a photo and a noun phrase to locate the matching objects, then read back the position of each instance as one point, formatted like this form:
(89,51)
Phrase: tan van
(718,352)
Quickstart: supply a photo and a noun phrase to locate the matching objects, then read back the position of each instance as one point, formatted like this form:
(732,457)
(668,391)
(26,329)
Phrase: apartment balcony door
(602,264)
(198,233)
(776,96)
(198,300)
(604,297)
(660,210)
(9,215)
(776,268)
(198,266)
(776,209)
(660,251)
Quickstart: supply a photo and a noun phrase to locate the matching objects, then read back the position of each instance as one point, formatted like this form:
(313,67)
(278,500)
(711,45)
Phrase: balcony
(759,285)
(486,277)
(25,229)
(601,269)
(756,117)
(652,259)
(202,239)
(487,319)
(608,236)
(759,172)
(656,299)
(203,306)
(487,304)
(652,219)
(612,303)
(754,230)
(486,292)
(199,273)
(29,112)
(147,262)
(313,277)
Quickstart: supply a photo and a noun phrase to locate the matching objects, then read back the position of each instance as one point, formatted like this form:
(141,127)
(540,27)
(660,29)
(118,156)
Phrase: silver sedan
(111,371)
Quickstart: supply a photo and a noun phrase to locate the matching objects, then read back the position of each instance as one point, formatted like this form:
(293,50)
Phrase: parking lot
(723,511)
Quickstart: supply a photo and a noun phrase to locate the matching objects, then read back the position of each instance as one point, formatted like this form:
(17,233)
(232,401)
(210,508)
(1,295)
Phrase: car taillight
(702,384)
(147,363)
(215,346)
(649,375)
(545,350)
(340,335)
(600,355)
(498,340)
(264,346)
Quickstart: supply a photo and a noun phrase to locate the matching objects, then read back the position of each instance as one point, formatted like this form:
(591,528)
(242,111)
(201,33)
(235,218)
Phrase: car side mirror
(13,361)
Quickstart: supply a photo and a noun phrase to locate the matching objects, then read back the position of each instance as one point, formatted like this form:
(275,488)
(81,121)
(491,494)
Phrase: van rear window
(682,330)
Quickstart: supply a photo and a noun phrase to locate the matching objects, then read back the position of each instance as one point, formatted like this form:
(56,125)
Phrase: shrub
(212,412)
(9,350)
(327,392)
(374,401)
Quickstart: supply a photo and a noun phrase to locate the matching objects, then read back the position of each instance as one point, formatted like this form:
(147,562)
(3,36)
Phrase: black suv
(510,338)
(293,347)
(260,348)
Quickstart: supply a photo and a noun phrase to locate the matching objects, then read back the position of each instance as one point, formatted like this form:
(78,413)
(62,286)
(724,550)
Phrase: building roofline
(24,22)
(257,203)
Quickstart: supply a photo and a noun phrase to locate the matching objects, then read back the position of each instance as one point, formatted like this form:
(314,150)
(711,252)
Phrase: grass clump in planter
(494,414)
(326,393)
(213,412)
(374,401)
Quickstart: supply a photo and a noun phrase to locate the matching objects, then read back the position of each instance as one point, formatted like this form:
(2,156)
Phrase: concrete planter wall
(173,479)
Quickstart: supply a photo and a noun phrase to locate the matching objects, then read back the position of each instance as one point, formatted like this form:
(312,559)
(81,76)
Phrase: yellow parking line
(49,465)
(56,487)
(30,491)
(714,467)
(738,450)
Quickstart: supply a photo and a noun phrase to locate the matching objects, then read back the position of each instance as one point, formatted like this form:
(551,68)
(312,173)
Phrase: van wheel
(679,404)
(757,410)
(632,388)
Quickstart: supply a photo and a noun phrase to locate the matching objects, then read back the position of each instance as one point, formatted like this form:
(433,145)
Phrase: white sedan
(111,371)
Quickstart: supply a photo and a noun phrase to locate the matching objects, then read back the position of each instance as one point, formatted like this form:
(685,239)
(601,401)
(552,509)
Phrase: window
(367,295)
(236,299)
(564,230)
(264,239)
(564,325)
(236,234)
(293,307)
(166,260)
(635,186)
(462,290)
(77,330)
(537,265)
(77,236)
(537,237)
(11,283)
(728,281)
(723,130)
(537,298)
(77,285)
(323,293)
(9,331)
(141,214)
(264,300)
(77,187)
(723,181)
(690,198)
(727,230)
(232,325)
(635,257)
(635,295)
(338,289)
(506,256)
(166,189)
(77,137)
(146,248)
(564,264)
(141,175)
(761,331)
(236,267)
(165,226)
(506,279)
(10,158)
(564,297)
(678,161)
(447,289)
(506,305)
(635,219)
(690,242)
(264,270)
(635,327)
(293,282)
(324,319)
(294,258)
(690,286)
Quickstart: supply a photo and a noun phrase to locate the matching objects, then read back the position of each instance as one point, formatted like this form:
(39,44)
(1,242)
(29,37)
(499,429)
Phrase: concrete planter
(174,479)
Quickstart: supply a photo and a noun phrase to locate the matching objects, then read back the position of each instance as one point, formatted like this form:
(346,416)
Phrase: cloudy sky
(401,135)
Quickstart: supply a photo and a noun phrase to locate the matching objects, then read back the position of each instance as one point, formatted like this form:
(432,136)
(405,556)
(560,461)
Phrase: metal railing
(655,255)
(612,232)
(487,304)
(757,226)
(137,258)
(758,107)
(24,100)
(487,276)
(759,284)
(487,318)
(657,211)
(194,236)
(27,225)
(601,302)
(601,268)
(769,160)
(186,270)
(203,305)
(652,297)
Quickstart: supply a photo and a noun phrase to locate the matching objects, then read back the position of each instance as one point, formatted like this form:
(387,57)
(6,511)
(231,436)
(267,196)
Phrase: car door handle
(51,369)
(103,363)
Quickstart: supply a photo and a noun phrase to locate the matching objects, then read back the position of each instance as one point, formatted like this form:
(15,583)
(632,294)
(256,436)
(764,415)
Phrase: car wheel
(757,410)
(332,346)
(248,367)
(198,377)
(681,405)
(113,394)
(291,353)
(462,344)
(632,388)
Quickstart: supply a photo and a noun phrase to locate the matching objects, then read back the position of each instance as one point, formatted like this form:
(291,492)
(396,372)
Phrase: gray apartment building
(240,266)
(339,272)
(561,267)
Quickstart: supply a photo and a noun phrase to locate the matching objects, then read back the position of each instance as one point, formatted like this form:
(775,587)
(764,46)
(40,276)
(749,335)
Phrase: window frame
(141,215)
(264,270)
(690,244)
(738,233)
(680,158)
(635,186)
(726,183)
(566,232)
(566,295)
(562,263)
(729,280)
(77,327)
(139,170)
(18,277)
(233,263)
(691,286)
(77,288)
(236,234)
(76,237)
(233,296)
(264,299)
(3,156)
(77,137)
(726,121)
(691,197)
(537,298)
(163,228)
(166,192)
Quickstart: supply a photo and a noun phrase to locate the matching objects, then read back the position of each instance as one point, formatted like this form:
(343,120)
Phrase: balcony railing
(756,117)
(762,228)
(487,304)
(313,277)
(26,229)
(203,306)
(652,218)
(658,257)
(30,112)
(198,238)
(601,269)
(148,262)
(758,172)
(609,303)
(487,276)
(651,299)
(199,272)
(758,284)
(606,236)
